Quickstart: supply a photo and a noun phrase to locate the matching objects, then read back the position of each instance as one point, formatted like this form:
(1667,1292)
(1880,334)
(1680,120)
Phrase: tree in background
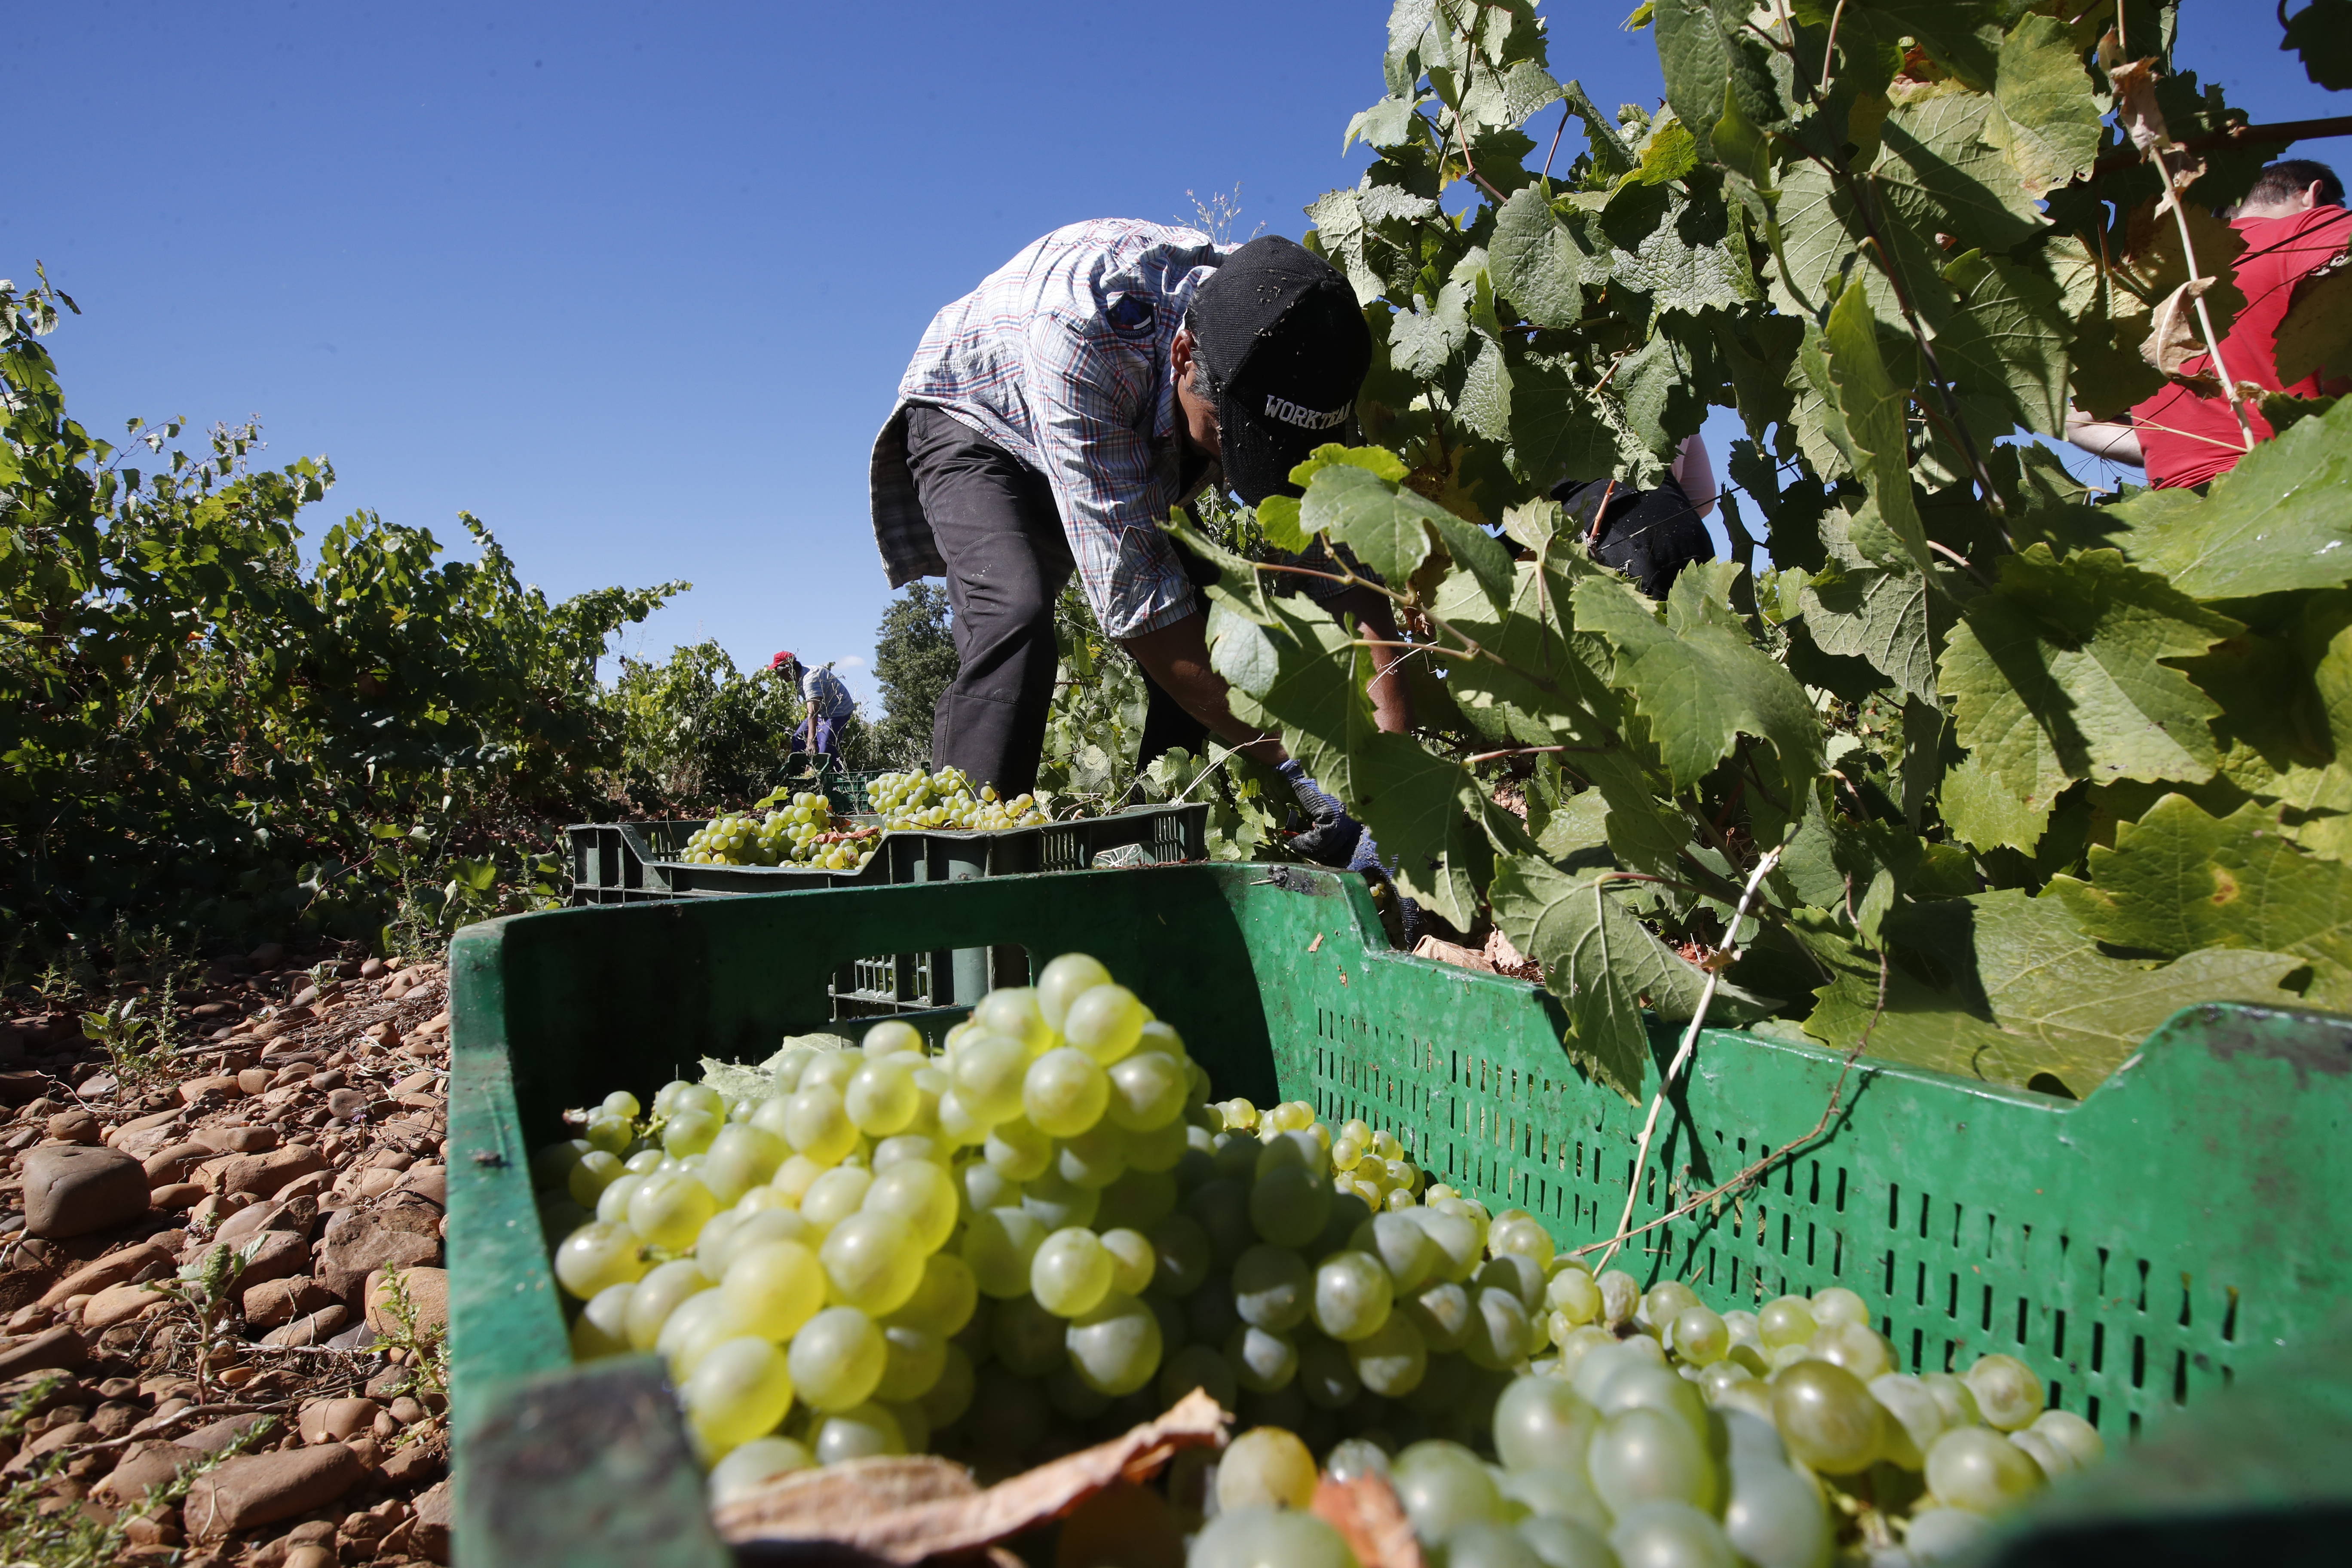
(914,658)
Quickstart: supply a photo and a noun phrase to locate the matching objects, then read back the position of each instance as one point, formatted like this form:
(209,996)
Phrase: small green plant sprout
(207,1287)
(133,1034)
(424,1347)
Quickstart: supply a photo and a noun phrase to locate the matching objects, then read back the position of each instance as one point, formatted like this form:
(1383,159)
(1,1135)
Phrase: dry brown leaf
(878,1485)
(2175,340)
(1452,953)
(858,1512)
(2142,121)
(1366,1513)
(2136,109)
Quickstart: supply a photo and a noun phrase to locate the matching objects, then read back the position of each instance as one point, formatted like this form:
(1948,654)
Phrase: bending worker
(1109,374)
(825,702)
(2295,227)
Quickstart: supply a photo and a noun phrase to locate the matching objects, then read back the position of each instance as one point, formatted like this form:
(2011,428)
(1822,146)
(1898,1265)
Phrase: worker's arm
(2113,439)
(1694,470)
(1177,656)
(1392,701)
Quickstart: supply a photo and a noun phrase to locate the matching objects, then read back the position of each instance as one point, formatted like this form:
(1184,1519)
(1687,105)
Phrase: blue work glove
(1333,837)
(1368,862)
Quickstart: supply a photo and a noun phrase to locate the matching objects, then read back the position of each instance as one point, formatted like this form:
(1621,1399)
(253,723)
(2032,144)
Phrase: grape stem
(1717,963)
(1829,1114)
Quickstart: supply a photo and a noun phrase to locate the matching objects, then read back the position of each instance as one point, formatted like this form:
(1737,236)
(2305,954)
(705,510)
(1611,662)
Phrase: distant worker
(1649,535)
(2295,227)
(826,700)
(1051,419)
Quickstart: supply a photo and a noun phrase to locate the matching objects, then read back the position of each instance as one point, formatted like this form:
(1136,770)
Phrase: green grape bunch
(1041,1232)
(802,832)
(947,799)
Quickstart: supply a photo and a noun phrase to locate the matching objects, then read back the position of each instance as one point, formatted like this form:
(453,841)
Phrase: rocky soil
(272,1187)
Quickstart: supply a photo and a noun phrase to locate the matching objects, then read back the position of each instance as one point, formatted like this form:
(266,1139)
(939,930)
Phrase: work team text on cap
(1290,412)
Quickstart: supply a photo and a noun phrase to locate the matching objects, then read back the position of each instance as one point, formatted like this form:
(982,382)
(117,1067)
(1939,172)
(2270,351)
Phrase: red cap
(780,661)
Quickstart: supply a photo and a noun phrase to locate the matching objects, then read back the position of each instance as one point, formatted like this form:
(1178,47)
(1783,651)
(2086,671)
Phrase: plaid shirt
(827,697)
(1061,357)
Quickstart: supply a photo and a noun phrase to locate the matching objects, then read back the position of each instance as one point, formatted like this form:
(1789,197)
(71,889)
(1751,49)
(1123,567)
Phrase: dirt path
(291,1150)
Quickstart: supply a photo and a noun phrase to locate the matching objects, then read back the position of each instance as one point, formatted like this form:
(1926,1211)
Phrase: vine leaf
(1603,963)
(1312,696)
(1543,261)
(2322,34)
(1239,649)
(1698,679)
(1943,176)
(1872,612)
(2055,678)
(2044,119)
(1872,406)
(2286,707)
(2180,879)
(2275,521)
(1558,430)
(2010,989)
(1698,58)
(1959,34)
(2008,341)
(1422,342)
(2315,339)
(1390,529)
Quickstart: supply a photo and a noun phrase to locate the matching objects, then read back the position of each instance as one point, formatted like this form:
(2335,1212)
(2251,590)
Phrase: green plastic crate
(2138,1249)
(638,862)
(847,788)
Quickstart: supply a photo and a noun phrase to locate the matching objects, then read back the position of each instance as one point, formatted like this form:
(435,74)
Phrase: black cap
(1285,344)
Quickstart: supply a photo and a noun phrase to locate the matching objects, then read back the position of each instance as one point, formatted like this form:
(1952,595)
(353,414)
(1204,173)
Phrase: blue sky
(634,283)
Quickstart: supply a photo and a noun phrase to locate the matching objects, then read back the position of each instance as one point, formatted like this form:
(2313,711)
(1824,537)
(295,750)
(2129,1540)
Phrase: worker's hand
(1332,838)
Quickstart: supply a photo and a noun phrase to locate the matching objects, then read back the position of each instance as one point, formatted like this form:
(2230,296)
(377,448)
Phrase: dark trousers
(998,531)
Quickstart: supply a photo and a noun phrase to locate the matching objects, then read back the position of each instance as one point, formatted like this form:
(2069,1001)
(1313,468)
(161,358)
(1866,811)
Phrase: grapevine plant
(204,735)
(2014,772)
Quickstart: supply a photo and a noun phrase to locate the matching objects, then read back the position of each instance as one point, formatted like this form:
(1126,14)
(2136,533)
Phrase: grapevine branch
(1556,132)
(1715,968)
(1828,49)
(2276,134)
(2134,86)
(1461,136)
(1756,1170)
(1527,751)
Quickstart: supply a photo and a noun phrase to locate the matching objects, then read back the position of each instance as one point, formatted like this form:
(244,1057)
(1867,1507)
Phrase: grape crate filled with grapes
(805,830)
(1046,1233)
